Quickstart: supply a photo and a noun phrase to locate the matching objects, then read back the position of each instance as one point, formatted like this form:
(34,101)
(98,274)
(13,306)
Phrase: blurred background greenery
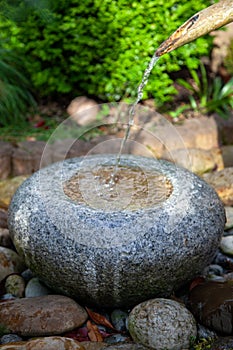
(52,49)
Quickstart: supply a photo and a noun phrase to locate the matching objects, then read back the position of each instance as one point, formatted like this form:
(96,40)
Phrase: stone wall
(207,145)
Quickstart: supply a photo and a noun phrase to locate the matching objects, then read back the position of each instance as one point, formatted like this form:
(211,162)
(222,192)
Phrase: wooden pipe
(203,22)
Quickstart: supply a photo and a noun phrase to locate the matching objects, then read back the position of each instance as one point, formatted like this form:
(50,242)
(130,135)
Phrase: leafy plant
(100,48)
(207,96)
(15,96)
(228,61)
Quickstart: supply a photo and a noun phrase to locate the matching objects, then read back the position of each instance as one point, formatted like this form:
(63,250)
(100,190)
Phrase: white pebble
(226,245)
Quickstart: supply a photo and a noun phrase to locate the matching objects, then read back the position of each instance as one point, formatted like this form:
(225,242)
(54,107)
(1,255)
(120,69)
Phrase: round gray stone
(115,256)
(35,288)
(226,245)
(162,324)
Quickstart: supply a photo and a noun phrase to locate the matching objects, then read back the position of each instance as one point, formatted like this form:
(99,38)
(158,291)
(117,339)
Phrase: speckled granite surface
(115,257)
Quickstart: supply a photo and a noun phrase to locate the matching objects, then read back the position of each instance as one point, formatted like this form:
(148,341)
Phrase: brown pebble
(40,316)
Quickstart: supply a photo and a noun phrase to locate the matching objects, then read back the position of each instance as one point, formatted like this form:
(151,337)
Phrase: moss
(3,330)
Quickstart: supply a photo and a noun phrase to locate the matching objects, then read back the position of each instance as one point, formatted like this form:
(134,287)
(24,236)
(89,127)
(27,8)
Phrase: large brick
(6,150)
(27,157)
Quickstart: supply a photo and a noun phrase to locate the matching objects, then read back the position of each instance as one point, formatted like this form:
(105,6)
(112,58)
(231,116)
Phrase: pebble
(8,188)
(88,345)
(116,338)
(229,217)
(45,343)
(222,182)
(5,240)
(15,285)
(9,338)
(223,260)
(162,324)
(205,333)
(213,269)
(3,216)
(126,346)
(27,275)
(222,343)
(226,245)
(212,304)
(10,262)
(119,319)
(35,288)
(40,316)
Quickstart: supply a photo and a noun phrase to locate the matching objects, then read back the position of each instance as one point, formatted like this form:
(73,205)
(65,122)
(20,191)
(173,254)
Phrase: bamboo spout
(201,23)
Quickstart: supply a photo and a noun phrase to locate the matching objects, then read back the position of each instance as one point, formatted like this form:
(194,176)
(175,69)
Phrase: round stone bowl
(115,237)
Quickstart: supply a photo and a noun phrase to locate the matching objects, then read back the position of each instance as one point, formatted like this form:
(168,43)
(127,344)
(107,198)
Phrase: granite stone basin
(153,231)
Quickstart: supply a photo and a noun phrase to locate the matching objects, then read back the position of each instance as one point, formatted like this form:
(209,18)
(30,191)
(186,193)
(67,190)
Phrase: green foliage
(228,61)
(202,344)
(15,95)
(100,47)
(208,96)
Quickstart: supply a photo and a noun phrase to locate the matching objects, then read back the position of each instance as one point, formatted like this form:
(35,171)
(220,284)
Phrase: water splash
(132,110)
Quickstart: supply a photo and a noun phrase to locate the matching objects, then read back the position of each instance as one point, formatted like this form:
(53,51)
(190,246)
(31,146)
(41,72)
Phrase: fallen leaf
(100,319)
(196,282)
(79,334)
(93,332)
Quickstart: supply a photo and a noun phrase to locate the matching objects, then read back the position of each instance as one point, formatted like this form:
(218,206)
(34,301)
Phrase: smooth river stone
(212,304)
(10,262)
(39,316)
(45,343)
(115,256)
(162,324)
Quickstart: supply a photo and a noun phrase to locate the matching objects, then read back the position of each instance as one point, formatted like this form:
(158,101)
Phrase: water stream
(132,110)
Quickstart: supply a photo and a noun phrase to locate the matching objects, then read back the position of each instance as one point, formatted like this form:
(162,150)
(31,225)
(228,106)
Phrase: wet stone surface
(45,315)
(220,269)
(212,304)
(139,254)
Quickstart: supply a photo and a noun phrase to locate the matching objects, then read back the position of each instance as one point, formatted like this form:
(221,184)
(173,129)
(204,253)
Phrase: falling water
(140,89)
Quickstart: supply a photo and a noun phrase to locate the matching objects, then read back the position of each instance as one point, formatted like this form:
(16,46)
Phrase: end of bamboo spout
(203,22)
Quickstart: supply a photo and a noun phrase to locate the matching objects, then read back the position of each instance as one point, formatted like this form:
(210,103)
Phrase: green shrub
(207,95)
(228,61)
(15,96)
(101,47)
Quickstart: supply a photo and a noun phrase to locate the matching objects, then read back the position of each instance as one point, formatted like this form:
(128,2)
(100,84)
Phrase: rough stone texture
(88,345)
(198,161)
(222,343)
(226,245)
(10,262)
(162,324)
(40,316)
(15,285)
(45,343)
(225,129)
(119,257)
(229,217)
(5,240)
(130,346)
(27,157)
(204,131)
(3,216)
(6,150)
(83,110)
(160,136)
(212,304)
(227,155)
(35,288)
(222,182)
(8,188)
(222,40)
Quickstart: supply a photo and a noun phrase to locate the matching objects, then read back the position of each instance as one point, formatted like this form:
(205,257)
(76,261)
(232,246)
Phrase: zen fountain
(112,234)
